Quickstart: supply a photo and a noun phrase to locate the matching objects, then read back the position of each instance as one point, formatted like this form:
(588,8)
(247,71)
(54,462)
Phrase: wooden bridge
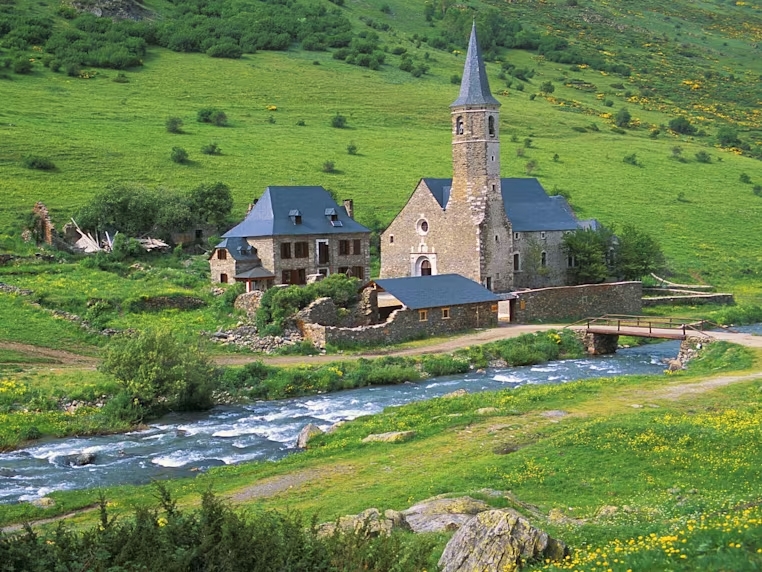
(646,326)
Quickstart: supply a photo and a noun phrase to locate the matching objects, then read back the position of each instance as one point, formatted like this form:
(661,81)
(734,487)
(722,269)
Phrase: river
(180,445)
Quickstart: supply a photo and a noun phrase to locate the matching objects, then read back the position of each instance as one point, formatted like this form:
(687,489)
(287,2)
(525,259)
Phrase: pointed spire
(474,88)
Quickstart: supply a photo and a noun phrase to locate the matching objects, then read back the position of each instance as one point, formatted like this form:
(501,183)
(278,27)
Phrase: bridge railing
(649,323)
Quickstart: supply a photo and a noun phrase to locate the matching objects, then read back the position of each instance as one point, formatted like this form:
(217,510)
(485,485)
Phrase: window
(516,262)
(543,259)
(423,315)
(488,283)
(301,249)
(285,250)
(343,269)
(324,253)
(199,234)
(224,278)
(391,239)
(571,261)
(445,313)
(491,127)
(297,276)
(493,308)
(343,247)
(295,215)
(459,126)
(222,254)
(298,219)
(358,272)
(422,226)
(285,277)
(516,235)
(542,235)
(357,247)
(497,238)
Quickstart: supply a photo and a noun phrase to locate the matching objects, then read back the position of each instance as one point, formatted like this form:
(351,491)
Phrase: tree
(128,209)
(637,254)
(211,203)
(174,125)
(588,251)
(547,87)
(622,118)
(728,137)
(179,155)
(160,372)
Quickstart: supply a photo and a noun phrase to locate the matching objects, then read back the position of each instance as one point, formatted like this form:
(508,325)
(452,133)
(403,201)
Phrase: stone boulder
(497,541)
(369,523)
(443,514)
(457,393)
(43,502)
(84,458)
(308,432)
(391,437)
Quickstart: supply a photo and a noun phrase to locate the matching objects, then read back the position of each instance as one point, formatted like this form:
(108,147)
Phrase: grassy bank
(672,467)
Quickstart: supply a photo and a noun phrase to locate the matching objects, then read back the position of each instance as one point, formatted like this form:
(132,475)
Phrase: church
(505,234)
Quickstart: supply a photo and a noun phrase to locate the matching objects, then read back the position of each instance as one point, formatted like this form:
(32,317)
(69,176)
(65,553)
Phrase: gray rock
(308,432)
(554,413)
(335,426)
(487,410)
(606,511)
(496,541)
(457,393)
(443,514)
(674,365)
(44,502)
(391,437)
(369,523)
(7,472)
(83,459)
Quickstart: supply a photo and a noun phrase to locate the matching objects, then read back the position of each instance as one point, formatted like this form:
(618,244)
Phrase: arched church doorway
(423,266)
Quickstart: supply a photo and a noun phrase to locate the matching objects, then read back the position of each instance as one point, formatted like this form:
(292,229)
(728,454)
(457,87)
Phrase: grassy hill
(697,59)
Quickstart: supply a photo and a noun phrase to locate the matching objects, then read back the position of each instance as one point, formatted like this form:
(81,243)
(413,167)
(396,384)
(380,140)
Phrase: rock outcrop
(391,437)
(498,541)
(368,523)
(443,514)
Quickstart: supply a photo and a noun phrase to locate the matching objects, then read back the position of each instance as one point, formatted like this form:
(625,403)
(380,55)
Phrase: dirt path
(452,344)
(61,357)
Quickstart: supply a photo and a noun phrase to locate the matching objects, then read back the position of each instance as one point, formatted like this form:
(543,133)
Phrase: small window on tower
(491,127)
(391,239)
(459,126)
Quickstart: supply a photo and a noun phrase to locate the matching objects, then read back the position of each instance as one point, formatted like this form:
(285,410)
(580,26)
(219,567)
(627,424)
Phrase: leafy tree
(622,118)
(160,371)
(129,209)
(589,252)
(728,137)
(682,125)
(547,87)
(637,254)
(174,125)
(211,203)
(179,155)
(338,121)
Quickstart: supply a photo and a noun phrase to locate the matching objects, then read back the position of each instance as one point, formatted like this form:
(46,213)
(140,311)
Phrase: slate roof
(527,205)
(474,87)
(256,272)
(239,249)
(276,212)
(441,290)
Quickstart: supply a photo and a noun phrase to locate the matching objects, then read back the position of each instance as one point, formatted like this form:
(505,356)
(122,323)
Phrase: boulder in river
(443,514)
(391,437)
(7,472)
(497,541)
(84,458)
(308,432)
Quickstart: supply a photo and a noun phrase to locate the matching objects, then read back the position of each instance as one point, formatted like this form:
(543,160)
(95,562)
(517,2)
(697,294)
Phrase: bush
(728,137)
(211,149)
(682,126)
(179,155)
(123,248)
(121,78)
(547,87)
(174,125)
(631,159)
(745,178)
(622,118)
(225,50)
(703,157)
(757,190)
(352,148)
(338,121)
(160,372)
(22,66)
(212,115)
(608,103)
(329,167)
(38,162)
(455,79)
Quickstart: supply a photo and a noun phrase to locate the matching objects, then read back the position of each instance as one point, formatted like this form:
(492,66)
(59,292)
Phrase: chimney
(251,206)
(349,204)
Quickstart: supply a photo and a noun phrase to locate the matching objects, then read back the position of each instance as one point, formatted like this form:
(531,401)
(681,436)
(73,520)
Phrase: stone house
(395,310)
(502,233)
(289,234)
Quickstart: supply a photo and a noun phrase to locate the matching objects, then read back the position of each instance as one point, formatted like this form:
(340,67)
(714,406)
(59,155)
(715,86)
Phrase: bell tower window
(459,126)
(491,125)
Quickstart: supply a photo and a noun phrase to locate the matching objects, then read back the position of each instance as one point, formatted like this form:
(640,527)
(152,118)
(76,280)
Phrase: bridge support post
(600,344)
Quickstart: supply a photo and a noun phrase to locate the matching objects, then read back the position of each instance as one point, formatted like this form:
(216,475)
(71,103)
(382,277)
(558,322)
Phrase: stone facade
(542,261)
(223,267)
(577,302)
(404,324)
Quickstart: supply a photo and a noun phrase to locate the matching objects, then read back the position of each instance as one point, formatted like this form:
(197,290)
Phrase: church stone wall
(577,302)
(530,246)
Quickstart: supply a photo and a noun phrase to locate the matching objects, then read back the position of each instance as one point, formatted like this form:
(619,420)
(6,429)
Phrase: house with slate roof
(289,234)
(504,233)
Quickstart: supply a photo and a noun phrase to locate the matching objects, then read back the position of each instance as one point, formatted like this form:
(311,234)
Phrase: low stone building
(290,234)
(405,309)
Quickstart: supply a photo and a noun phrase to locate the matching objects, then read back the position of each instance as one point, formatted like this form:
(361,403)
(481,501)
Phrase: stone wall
(404,325)
(689,300)
(249,302)
(577,302)
(530,246)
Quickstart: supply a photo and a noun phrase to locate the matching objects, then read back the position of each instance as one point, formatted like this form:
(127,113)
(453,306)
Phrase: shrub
(338,121)
(654,133)
(728,137)
(301,123)
(547,87)
(682,125)
(631,159)
(211,149)
(329,167)
(225,50)
(530,166)
(179,155)
(532,96)
(38,162)
(121,78)
(352,148)
(22,66)
(398,50)
(622,118)
(174,125)
(608,103)
(519,152)
(556,158)
(703,157)
(745,178)
(677,152)
(212,115)
(528,143)
(437,366)
(757,190)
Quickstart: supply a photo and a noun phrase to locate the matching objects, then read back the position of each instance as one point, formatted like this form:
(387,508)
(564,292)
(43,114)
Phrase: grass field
(99,132)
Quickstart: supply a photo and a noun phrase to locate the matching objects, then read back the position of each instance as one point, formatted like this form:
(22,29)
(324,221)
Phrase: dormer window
(295,216)
(333,217)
